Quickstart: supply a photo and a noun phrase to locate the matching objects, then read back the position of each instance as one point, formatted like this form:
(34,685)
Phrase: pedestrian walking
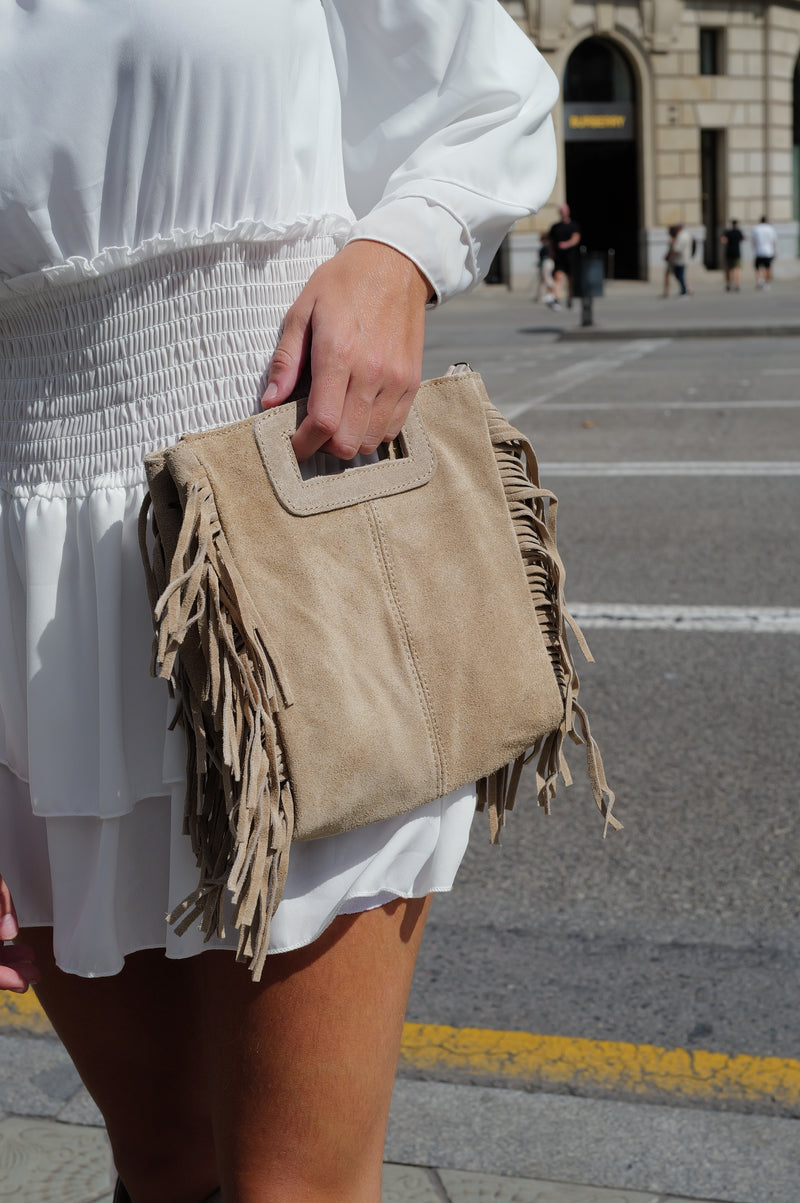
(668,277)
(679,253)
(201,201)
(545,284)
(732,240)
(765,244)
(564,237)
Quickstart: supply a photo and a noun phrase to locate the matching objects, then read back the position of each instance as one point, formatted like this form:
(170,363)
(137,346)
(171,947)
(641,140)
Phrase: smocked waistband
(93,375)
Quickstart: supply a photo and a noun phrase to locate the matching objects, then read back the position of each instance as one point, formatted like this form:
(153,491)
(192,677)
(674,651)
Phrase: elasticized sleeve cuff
(428,232)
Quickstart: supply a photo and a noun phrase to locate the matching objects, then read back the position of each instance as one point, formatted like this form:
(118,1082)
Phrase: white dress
(170,176)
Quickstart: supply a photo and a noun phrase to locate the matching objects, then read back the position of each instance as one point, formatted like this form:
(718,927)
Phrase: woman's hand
(17,970)
(361,321)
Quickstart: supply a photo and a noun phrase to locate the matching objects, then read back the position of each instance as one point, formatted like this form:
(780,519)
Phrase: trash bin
(589,275)
(588,282)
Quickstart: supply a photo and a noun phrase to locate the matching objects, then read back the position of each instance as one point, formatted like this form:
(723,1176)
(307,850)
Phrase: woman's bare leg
(302,1064)
(135,1040)
(299,1068)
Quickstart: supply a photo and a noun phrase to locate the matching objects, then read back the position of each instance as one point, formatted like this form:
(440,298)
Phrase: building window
(711,52)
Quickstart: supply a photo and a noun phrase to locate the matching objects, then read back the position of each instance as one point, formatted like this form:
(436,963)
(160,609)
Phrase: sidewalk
(446,1143)
(635,309)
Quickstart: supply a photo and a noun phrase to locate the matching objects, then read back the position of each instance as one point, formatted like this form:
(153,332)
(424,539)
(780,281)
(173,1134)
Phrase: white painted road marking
(774,620)
(672,468)
(588,369)
(668,405)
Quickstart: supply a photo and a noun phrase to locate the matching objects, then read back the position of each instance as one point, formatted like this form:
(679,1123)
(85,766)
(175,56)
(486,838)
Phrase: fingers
(8,915)
(389,408)
(360,322)
(17,968)
(352,411)
(330,381)
(401,411)
(290,353)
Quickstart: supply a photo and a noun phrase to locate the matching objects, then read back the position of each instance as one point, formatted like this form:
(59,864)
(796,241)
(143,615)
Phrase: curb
(570,1065)
(603,1069)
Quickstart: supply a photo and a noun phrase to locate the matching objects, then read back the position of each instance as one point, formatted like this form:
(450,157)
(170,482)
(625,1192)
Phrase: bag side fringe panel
(533,516)
(239,808)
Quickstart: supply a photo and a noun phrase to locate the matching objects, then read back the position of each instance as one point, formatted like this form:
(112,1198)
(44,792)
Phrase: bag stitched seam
(380,542)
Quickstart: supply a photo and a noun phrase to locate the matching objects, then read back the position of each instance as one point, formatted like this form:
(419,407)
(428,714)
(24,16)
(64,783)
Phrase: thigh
(302,1064)
(135,1040)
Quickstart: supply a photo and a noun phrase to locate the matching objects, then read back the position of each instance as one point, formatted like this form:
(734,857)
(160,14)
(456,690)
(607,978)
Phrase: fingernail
(271,392)
(8,928)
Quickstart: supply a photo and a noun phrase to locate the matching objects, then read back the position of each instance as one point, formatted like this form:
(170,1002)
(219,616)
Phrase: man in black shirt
(732,240)
(564,237)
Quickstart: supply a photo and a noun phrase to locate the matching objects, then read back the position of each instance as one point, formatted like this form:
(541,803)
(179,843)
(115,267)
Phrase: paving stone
(668,1152)
(57,1082)
(487,1188)
(409,1184)
(37,1076)
(81,1109)
(43,1162)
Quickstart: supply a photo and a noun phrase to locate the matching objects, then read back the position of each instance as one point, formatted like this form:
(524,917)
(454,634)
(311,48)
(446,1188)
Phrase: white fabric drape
(129,126)
(170,176)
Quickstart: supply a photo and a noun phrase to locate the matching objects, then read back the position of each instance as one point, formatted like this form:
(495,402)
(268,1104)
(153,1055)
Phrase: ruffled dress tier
(150,245)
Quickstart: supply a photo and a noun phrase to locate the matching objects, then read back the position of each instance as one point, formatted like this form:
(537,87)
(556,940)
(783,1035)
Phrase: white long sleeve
(446,129)
(129,128)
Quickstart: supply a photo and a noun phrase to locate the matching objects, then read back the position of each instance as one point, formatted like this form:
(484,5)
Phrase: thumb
(289,356)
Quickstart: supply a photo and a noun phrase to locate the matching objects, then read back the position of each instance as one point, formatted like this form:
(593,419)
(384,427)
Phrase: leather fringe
(239,807)
(533,515)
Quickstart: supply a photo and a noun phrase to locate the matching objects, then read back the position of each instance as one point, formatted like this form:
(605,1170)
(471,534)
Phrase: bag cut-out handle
(273,432)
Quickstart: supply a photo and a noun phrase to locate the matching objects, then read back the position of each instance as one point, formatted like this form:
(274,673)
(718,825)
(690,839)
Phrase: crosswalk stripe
(671,468)
(563,379)
(775,620)
(656,404)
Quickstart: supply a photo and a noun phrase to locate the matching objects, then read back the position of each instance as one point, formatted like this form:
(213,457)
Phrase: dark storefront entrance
(601,153)
(712,161)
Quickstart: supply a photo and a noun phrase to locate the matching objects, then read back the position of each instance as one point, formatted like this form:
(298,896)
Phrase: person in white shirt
(765,243)
(678,257)
(197,201)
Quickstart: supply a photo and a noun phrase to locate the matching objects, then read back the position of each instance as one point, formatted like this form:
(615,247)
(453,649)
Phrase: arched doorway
(601,152)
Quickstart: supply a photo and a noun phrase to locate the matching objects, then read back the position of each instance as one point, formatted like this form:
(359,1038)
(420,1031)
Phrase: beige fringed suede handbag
(346,648)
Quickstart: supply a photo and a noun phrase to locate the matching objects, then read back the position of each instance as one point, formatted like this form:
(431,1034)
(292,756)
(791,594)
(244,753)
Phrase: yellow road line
(561,1062)
(23,1011)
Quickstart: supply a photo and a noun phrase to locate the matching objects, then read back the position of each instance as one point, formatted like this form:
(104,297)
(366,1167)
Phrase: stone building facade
(671,111)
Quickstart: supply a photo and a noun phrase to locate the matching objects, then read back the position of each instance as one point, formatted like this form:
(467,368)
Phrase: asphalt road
(682,930)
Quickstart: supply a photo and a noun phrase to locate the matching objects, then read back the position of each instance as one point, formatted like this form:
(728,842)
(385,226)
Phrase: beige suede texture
(403,625)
